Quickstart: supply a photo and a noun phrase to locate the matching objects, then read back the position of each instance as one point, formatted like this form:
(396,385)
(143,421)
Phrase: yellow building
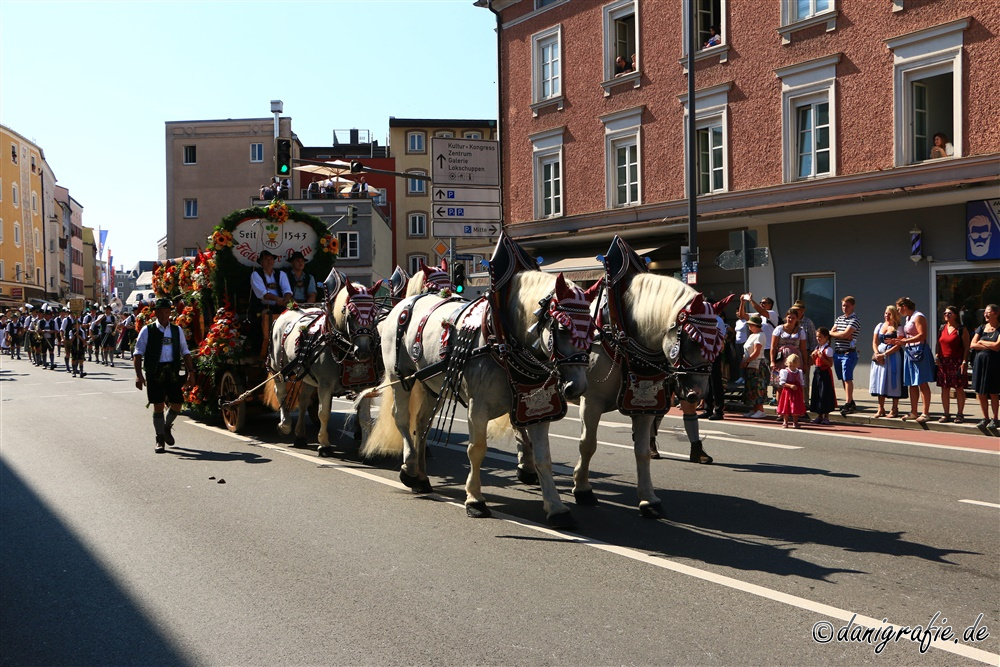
(22,273)
(410,142)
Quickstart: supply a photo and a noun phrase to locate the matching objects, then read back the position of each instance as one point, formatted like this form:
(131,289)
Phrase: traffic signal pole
(692,173)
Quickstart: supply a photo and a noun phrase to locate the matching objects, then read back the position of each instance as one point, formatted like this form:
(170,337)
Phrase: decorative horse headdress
(699,322)
(361,303)
(436,278)
(508,258)
(397,282)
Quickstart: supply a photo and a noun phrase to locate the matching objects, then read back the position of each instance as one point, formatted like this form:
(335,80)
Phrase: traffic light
(283,157)
(458,277)
(352,215)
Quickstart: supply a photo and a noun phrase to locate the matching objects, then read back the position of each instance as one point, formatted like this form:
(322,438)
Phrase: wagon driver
(269,294)
(303,285)
(160,350)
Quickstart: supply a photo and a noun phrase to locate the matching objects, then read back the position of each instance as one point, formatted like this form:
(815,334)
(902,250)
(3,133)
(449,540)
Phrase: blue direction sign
(444,230)
(467,195)
(467,212)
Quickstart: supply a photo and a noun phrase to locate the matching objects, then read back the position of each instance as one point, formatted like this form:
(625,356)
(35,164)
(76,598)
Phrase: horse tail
(500,433)
(384,439)
(269,396)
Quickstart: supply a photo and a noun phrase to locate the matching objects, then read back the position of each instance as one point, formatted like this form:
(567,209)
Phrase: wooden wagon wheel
(231,385)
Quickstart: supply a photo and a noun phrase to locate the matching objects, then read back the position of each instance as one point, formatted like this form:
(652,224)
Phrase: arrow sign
(467,212)
(467,195)
(466,230)
(465,162)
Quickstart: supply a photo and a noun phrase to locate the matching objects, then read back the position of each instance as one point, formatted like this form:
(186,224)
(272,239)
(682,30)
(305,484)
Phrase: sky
(92,83)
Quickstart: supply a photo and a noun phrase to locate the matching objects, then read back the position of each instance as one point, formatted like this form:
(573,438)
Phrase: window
(542,3)
(190,155)
(2,272)
(472,135)
(547,150)
(13,194)
(927,92)
(13,153)
(809,118)
(256,152)
(17,234)
(415,186)
(711,30)
(621,146)
(33,164)
(445,134)
(1,189)
(711,123)
(818,291)
(414,262)
(38,277)
(349,245)
(621,39)
(416,224)
(188,252)
(812,126)
(800,14)
(37,244)
(1,230)
(190,208)
(34,202)
(546,68)
(18,272)
(711,170)
(415,142)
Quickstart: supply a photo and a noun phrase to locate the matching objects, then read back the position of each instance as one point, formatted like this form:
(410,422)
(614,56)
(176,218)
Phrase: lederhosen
(76,343)
(163,381)
(256,305)
(106,330)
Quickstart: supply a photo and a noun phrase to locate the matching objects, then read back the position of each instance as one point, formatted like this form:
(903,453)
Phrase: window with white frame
(542,3)
(2,271)
(1,189)
(414,262)
(804,9)
(256,152)
(711,163)
(34,202)
(416,224)
(444,134)
(621,38)
(38,277)
(711,138)
(19,272)
(33,165)
(416,142)
(808,111)
(13,194)
(546,67)
(415,186)
(927,92)
(623,157)
(710,26)
(17,234)
(190,155)
(350,247)
(547,152)
(190,208)
(37,239)
(13,153)
(188,252)
(800,14)
(472,135)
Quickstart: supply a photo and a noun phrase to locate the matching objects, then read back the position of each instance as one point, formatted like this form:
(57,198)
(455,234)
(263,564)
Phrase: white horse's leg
(649,504)
(475,502)
(281,393)
(557,513)
(526,473)
(407,410)
(325,405)
(590,416)
(305,395)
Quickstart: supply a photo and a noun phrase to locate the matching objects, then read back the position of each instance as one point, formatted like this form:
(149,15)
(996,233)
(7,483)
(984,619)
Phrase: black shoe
(82,374)
(159,445)
(716,416)
(705,415)
(168,437)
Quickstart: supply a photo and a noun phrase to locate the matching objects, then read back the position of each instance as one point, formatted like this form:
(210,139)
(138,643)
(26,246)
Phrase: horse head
(692,344)
(565,329)
(354,312)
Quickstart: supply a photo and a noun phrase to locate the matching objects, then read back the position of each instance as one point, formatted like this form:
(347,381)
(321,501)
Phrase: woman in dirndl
(986,367)
(918,363)
(886,378)
(952,362)
(823,397)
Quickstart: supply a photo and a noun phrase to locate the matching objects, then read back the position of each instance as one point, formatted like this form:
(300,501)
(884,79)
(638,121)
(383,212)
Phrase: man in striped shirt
(845,349)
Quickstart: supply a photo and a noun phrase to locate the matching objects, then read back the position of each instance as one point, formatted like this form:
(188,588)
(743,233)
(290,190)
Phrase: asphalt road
(113,555)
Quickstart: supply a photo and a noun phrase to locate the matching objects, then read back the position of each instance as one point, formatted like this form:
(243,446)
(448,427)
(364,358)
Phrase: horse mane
(530,287)
(416,284)
(338,309)
(651,304)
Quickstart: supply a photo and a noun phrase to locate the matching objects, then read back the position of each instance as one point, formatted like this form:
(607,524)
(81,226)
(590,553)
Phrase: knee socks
(170,417)
(158,424)
(691,428)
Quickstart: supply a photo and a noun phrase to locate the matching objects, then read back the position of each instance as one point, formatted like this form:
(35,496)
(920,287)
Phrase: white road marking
(55,396)
(92,393)
(980,502)
(639,556)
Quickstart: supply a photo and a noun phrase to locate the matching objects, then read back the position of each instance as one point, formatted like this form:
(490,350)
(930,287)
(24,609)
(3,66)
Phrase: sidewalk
(868,406)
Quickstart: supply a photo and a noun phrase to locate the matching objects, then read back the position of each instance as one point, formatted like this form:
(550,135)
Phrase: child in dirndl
(791,403)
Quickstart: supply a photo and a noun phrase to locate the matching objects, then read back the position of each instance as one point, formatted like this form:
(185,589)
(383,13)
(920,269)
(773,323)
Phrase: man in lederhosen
(67,326)
(159,351)
(106,337)
(303,285)
(269,293)
(76,345)
(48,330)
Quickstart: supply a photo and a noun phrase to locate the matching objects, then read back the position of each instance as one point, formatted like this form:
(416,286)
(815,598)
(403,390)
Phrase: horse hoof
(414,483)
(478,510)
(585,498)
(300,441)
(561,520)
(423,486)
(325,451)
(651,510)
(527,477)
(284,429)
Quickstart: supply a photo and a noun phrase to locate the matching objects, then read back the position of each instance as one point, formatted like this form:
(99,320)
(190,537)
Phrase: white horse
(337,352)
(553,338)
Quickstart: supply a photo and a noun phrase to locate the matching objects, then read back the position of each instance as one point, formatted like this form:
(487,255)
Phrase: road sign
(466,196)
(732,260)
(462,257)
(465,162)
(467,212)
(465,229)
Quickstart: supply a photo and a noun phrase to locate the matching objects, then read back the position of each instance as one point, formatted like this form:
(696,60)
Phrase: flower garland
(201,277)
(220,238)
(330,244)
(223,342)
(277,210)
(186,321)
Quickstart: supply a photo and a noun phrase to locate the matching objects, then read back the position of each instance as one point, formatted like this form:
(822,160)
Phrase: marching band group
(46,334)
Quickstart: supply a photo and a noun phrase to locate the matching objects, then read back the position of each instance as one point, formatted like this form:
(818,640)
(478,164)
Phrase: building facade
(22,250)
(215,167)
(815,131)
(410,143)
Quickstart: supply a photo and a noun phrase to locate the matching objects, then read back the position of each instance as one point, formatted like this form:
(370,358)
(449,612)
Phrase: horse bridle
(572,314)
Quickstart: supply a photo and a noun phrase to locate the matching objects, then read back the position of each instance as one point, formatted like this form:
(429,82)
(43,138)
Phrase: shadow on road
(188,454)
(60,607)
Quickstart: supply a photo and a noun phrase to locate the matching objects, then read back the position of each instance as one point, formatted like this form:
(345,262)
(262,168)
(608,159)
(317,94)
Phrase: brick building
(815,126)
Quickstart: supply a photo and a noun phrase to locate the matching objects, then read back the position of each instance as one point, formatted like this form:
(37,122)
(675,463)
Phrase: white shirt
(260,289)
(742,331)
(167,351)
